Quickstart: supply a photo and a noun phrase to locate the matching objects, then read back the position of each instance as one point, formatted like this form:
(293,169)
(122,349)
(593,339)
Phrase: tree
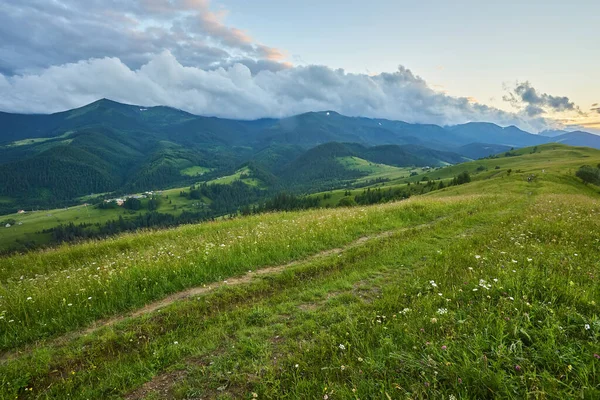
(153,203)
(589,174)
(133,204)
(346,202)
(463,177)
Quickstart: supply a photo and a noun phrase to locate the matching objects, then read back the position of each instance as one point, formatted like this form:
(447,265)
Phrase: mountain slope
(579,138)
(134,147)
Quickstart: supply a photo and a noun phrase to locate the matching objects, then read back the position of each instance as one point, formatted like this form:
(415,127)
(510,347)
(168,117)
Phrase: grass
(237,176)
(375,170)
(29,226)
(196,170)
(53,292)
(26,142)
(485,290)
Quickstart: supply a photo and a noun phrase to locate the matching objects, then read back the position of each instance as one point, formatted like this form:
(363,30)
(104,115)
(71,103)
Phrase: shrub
(346,202)
(589,174)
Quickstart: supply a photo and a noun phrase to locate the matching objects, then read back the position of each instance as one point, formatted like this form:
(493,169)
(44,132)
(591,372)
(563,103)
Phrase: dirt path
(162,383)
(234,281)
(201,290)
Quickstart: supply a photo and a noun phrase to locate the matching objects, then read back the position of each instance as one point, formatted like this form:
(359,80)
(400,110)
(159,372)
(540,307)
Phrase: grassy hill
(483,290)
(48,161)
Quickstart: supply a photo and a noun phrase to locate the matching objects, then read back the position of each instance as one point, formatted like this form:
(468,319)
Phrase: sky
(532,63)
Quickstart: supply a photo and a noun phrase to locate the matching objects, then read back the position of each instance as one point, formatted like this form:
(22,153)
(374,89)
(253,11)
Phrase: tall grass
(50,292)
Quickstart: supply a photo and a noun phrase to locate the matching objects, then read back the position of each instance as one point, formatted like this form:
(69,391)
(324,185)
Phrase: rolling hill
(49,160)
(484,290)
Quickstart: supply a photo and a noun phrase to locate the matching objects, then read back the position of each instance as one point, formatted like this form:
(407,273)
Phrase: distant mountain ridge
(307,129)
(107,146)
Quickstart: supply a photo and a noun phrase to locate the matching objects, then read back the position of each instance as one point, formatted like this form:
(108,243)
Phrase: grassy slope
(229,179)
(195,170)
(496,297)
(34,222)
(374,170)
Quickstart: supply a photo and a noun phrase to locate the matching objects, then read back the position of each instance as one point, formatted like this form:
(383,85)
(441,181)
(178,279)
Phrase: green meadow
(480,291)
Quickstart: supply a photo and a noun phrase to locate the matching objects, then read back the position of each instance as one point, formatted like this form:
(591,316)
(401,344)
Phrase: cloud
(36,34)
(595,108)
(235,91)
(526,98)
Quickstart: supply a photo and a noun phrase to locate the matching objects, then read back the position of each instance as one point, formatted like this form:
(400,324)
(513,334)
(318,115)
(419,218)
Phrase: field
(237,176)
(374,170)
(484,290)
(29,226)
(195,171)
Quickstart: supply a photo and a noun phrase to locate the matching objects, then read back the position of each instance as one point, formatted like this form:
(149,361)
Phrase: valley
(61,169)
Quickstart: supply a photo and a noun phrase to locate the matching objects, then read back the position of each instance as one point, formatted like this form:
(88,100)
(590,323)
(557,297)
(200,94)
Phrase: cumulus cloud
(36,34)
(533,103)
(235,91)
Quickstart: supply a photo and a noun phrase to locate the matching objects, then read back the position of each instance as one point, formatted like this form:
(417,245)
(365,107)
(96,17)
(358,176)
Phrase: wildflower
(530,259)
(517,368)
(433,283)
(176,342)
(361,360)
(434,320)
(342,367)
(444,347)
(70,304)
(597,356)
(254,395)
(587,327)
(442,311)
(459,381)
(477,257)
(475,289)
(514,261)
(296,366)
(89,298)
(29,298)
(342,347)
(325,397)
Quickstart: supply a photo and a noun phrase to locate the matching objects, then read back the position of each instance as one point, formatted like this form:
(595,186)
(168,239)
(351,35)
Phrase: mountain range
(108,146)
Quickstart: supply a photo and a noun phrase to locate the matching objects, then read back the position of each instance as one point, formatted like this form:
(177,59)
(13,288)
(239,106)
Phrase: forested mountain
(48,160)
